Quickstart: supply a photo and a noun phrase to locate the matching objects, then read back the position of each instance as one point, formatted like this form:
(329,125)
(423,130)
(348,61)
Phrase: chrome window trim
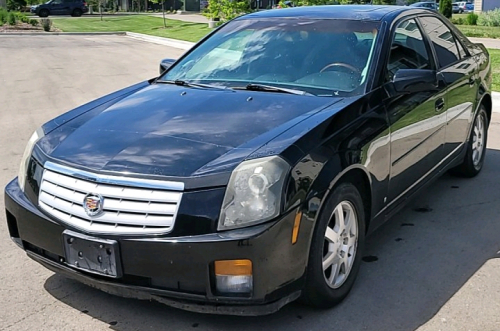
(114,180)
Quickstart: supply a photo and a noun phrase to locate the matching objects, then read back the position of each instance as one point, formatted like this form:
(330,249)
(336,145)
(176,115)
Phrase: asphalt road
(437,262)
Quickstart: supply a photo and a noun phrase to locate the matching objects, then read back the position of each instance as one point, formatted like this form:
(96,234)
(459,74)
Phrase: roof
(357,12)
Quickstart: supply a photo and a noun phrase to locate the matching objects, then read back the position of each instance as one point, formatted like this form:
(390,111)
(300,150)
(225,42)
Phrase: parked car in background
(469,8)
(74,8)
(249,173)
(428,5)
(454,8)
(461,6)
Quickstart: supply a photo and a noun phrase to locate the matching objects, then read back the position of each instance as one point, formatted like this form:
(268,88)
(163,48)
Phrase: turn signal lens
(233,267)
(233,276)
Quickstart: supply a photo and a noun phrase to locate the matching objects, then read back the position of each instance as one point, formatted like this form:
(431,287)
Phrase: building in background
(485,5)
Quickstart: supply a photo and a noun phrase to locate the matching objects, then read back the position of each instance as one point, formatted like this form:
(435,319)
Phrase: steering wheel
(340,64)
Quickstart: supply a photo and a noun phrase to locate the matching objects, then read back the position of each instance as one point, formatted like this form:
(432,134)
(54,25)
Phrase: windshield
(317,56)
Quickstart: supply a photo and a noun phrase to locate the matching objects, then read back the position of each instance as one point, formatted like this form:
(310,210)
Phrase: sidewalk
(488,42)
(193,18)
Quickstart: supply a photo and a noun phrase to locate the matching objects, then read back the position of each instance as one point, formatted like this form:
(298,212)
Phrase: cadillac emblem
(93,204)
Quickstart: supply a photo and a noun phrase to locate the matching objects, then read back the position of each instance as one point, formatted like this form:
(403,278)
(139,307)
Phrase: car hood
(169,130)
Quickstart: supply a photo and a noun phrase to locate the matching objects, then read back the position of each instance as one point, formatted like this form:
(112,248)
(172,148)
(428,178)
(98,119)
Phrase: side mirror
(414,80)
(165,64)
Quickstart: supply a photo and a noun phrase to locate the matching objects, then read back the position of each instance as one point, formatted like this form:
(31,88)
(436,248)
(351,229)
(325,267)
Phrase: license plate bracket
(90,254)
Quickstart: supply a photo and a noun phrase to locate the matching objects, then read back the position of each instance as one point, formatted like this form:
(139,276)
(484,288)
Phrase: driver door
(417,120)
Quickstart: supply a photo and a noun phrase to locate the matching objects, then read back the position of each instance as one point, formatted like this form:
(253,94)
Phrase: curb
(185,45)
(62,33)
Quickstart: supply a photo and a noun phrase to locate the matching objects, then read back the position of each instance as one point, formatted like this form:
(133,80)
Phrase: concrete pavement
(437,263)
(488,42)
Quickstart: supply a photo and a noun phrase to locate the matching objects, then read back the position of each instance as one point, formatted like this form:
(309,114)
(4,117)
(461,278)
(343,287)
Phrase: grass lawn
(135,23)
(495,67)
(480,31)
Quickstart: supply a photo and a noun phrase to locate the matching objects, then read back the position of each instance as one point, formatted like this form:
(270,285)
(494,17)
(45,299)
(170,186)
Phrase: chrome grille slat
(127,210)
(120,192)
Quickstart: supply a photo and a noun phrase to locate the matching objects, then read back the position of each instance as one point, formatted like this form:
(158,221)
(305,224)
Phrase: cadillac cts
(248,174)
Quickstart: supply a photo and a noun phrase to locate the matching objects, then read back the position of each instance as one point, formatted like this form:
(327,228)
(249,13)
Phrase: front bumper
(177,271)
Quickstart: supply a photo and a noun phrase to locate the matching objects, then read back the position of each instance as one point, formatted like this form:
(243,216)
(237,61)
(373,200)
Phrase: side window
(442,39)
(408,49)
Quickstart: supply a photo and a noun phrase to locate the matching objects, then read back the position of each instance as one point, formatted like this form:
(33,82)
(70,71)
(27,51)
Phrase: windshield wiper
(181,82)
(269,88)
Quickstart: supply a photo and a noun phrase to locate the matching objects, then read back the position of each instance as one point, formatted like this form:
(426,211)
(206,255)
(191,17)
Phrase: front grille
(126,209)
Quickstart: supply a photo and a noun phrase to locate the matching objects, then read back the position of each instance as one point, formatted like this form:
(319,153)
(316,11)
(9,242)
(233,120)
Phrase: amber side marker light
(296,226)
(233,276)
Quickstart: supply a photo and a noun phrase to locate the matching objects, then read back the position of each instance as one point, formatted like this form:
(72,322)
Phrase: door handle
(439,104)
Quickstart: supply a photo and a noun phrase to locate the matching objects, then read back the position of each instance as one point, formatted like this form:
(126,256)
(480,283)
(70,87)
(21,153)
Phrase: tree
(15,4)
(33,2)
(383,2)
(445,8)
(162,9)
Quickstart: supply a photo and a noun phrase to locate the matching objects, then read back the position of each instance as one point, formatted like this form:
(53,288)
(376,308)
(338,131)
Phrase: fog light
(234,276)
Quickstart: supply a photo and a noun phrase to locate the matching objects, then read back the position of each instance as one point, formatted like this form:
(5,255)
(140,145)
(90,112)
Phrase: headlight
(21,177)
(254,192)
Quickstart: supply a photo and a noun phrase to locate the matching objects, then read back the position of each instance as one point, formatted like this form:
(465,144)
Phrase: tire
(43,13)
(324,288)
(77,13)
(476,147)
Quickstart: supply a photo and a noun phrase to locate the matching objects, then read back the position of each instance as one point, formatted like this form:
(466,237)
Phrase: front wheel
(43,13)
(476,147)
(336,248)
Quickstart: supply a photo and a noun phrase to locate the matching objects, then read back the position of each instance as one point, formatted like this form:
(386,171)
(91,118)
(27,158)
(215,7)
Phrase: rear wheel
(43,13)
(476,147)
(77,13)
(336,248)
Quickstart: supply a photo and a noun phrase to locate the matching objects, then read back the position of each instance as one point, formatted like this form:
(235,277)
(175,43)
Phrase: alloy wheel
(478,138)
(340,244)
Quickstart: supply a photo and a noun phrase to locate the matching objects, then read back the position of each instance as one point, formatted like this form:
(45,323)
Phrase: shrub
(226,9)
(22,17)
(33,22)
(3,16)
(489,18)
(11,19)
(445,8)
(471,19)
(458,21)
(46,24)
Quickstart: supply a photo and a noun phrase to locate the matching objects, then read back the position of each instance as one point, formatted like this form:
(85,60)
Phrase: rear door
(459,71)
(56,7)
(67,7)
(417,120)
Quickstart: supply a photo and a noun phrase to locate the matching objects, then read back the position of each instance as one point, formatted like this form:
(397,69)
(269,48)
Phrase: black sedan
(249,173)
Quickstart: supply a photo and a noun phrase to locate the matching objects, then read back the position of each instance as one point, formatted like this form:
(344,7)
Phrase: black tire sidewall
(77,13)
(43,13)
(469,169)
(317,292)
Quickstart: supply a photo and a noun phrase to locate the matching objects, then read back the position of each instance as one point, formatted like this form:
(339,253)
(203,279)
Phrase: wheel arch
(358,176)
(488,104)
